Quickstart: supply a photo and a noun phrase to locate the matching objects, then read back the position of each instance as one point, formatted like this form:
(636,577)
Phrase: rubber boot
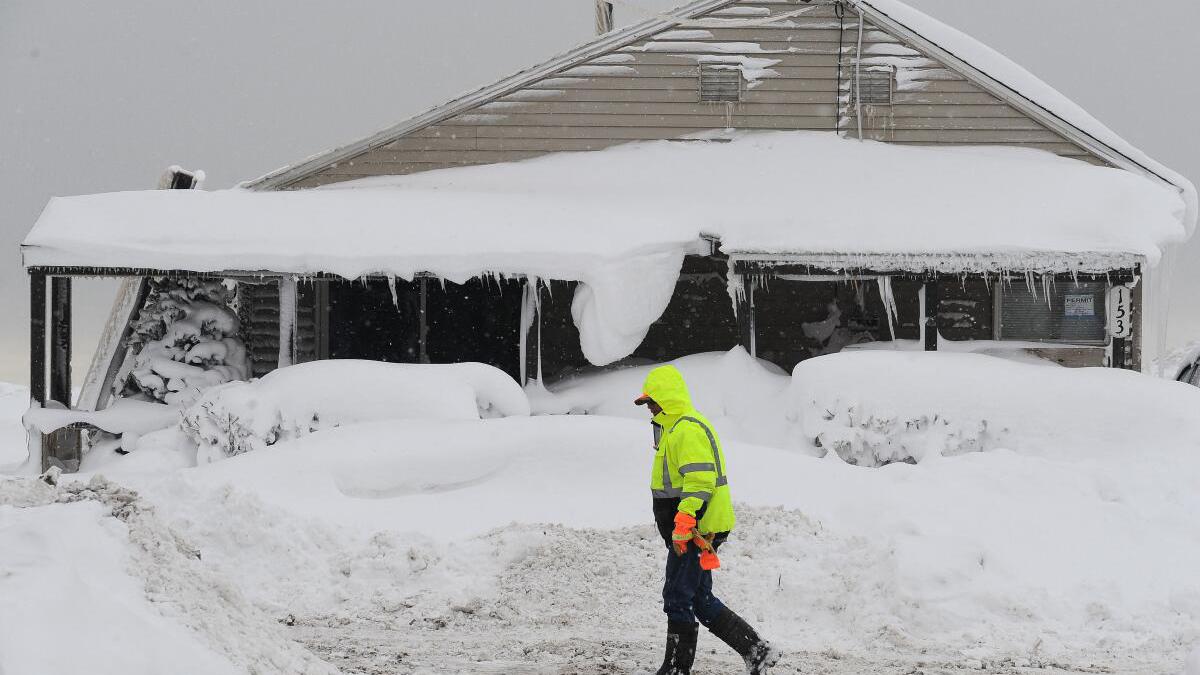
(681,649)
(733,630)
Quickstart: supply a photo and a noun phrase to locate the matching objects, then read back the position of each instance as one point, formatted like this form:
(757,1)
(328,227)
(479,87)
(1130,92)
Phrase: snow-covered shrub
(873,439)
(185,341)
(292,402)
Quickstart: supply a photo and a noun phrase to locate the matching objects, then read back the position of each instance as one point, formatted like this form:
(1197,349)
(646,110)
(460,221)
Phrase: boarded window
(874,86)
(720,82)
(1062,312)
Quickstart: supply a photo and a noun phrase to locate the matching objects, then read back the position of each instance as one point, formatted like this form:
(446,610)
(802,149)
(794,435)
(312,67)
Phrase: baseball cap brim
(642,400)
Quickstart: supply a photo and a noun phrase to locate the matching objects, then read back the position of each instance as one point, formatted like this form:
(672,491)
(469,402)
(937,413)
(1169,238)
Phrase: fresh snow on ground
(1067,543)
(14,401)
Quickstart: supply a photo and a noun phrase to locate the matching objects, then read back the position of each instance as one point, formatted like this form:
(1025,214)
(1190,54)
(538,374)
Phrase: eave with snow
(860,172)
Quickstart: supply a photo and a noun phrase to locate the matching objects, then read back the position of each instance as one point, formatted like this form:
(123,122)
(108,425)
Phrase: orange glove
(683,532)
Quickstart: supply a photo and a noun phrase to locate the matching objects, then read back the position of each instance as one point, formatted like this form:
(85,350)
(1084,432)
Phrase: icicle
(858,77)
(1048,288)
(391,282)
(921,316)
(529,311)
(287,320)
(889,304)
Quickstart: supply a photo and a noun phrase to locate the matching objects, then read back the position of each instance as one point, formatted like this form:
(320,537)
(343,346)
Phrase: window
(1073,312)
(875,87)
(719,82)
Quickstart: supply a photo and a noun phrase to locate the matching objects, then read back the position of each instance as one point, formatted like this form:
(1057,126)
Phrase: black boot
(758,654)
(681,648)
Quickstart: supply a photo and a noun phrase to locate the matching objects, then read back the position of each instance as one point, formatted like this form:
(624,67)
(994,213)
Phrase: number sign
(1120,312)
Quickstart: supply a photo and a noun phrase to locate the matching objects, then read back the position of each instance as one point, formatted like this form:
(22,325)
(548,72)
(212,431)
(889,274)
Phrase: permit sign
(1080,305)
(1120,312)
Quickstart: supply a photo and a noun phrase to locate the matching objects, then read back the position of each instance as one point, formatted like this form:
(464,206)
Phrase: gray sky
(102,95)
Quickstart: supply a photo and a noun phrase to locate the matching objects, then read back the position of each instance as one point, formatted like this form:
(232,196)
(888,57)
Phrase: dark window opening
(873,86)
(720,82)
(797,320)
(475,321)
(1058,311)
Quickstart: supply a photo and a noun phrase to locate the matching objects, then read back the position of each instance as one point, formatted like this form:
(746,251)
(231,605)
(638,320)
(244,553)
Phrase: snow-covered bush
(292,402)
(875,439)
(185,341)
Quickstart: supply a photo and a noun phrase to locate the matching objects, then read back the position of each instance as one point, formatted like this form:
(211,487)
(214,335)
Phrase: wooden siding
(799,73)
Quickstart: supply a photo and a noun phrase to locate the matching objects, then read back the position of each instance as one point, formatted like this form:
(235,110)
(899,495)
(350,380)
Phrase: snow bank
(91,566)
(14,401)
(489,526)
(877,407)
(123,416)
(740,394)
(298,400)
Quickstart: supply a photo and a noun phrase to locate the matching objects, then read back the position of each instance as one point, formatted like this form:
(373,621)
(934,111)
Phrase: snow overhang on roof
(563,215)
(977,62)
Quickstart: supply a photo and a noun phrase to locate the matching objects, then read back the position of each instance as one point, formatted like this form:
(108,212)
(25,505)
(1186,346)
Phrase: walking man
(693,509)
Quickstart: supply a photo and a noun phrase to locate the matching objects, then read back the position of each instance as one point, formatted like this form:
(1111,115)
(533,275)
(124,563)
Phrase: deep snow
(523,544)
(636,209)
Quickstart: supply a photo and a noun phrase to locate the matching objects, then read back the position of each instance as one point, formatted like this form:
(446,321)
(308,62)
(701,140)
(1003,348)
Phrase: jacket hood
(666,386)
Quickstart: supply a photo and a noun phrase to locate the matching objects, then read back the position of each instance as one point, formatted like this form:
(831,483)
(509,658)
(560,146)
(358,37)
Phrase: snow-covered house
(794,176)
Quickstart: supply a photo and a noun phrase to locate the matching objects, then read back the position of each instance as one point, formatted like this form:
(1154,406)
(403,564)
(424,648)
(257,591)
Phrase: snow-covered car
(1189,372)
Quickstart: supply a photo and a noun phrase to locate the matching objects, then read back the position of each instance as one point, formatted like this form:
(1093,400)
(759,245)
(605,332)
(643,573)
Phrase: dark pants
(687,589)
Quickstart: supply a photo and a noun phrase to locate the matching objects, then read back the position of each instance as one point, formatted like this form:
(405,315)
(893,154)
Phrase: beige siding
(650,90)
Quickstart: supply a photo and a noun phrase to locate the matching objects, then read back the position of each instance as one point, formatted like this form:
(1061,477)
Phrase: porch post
(37,338)
(745,316)
(932,300)
(62,448)
(423,322)
(60,340)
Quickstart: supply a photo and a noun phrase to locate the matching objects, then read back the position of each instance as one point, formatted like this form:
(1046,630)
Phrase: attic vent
(875,87)
(720,82)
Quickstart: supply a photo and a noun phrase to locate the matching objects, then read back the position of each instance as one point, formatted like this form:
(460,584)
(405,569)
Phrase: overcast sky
(102,95)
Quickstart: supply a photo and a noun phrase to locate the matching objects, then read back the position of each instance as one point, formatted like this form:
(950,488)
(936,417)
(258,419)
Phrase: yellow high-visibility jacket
(689,464)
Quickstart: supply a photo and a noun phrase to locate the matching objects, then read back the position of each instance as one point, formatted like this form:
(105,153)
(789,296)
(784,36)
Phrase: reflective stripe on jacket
(689,464)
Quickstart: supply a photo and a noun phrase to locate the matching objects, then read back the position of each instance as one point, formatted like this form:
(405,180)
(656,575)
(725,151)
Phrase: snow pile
(94,563)
(184,341)
(877,407)
(740,394)
(431,529)
(298,400)
(14,401)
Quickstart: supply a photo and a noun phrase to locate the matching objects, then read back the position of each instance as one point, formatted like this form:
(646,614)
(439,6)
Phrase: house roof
(986,67)
(1031,208)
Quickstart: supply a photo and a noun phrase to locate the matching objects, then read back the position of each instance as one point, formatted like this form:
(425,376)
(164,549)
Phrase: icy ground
(1059,542)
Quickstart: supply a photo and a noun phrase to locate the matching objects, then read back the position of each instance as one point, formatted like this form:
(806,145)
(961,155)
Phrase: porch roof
(565,215)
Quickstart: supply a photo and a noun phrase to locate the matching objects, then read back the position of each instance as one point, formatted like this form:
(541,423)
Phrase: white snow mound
(295,401)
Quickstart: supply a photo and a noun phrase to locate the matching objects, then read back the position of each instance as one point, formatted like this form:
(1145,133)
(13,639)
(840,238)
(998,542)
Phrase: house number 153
(1120,312)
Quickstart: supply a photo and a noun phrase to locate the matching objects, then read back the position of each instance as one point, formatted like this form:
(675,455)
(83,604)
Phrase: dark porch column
(745,316)
(60,340)
(37,338)
(932,302)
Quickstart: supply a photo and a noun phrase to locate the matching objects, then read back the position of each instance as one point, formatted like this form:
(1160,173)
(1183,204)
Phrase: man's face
(654,407)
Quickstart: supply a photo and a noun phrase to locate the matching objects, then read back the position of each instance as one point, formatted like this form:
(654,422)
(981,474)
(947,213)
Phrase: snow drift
(298,400)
